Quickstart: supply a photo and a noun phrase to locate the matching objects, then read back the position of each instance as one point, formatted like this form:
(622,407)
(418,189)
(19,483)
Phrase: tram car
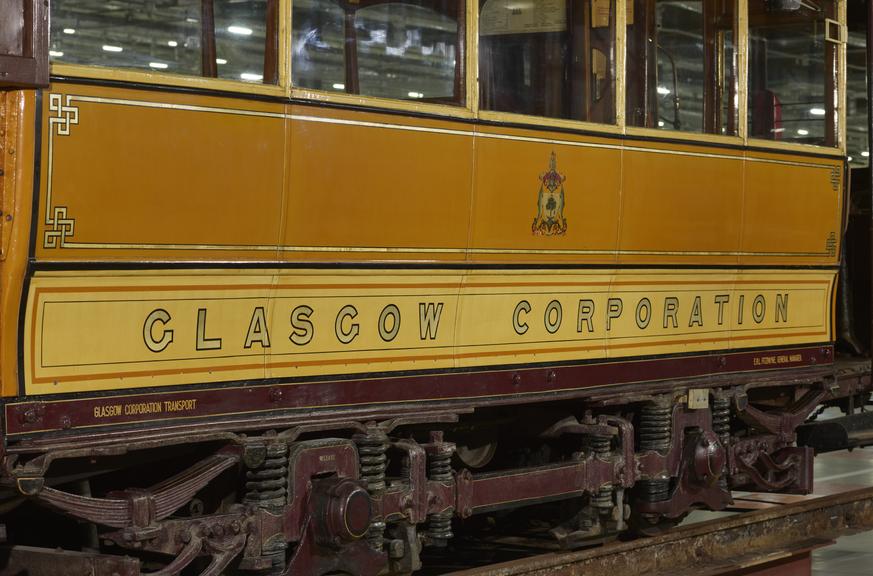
(315,287)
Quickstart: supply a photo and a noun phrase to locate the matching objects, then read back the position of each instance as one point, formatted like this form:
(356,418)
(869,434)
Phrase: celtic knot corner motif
(831,244)
(836,174)
(61,228)
(64,114)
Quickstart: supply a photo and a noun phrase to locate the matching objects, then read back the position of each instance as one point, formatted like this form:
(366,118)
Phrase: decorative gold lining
(64,115)
(87,332)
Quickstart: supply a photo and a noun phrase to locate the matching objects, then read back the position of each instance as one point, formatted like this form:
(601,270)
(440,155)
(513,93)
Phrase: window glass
(408,50)
(682,71)
(216,38)
(552,58)
(792,71)
(856,88)
(240,40)
(318,58)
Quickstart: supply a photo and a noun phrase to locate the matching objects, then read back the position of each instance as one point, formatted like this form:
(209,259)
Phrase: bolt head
(396,549)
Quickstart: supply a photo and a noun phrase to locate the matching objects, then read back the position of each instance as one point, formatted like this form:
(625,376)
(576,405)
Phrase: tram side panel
(364,188)
(304,296)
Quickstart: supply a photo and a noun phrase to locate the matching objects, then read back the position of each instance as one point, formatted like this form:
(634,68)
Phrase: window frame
(30,68)
(132,75)
(470,109)
(618,93)
(839,149)
(724,139)
(470,89)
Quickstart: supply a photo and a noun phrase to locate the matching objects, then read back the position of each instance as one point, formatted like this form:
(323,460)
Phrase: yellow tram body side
(436,210)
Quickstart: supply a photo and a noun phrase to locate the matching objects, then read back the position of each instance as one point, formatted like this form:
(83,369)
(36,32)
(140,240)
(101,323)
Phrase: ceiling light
(55,54)
(660,123)
(663,91)
(69,30)
(191,20)
(158,65)
(802,132)
(220,61)
(865,154)
(172,43)
(110,48)
(850,158)
(241,30)
(339,86)
(251,76)
(416,95)
(817,111)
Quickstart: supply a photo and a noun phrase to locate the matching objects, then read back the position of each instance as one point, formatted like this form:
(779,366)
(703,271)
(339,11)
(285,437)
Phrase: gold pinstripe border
(422,129)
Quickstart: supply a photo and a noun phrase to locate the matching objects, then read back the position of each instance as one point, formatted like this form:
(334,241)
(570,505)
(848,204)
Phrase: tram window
(214,38)
(793,71)
(409,50)
(857,146)
(551,58)
(240,40)
(318,59)
(682,67)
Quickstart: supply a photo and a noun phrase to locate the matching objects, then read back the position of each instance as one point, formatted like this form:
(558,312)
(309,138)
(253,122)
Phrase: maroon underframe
(464,390)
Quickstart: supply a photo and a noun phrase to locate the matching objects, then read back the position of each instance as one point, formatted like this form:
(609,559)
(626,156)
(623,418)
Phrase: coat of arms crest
(550,219)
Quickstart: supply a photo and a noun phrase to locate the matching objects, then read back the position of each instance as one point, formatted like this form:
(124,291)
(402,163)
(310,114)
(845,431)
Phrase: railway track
(781,536)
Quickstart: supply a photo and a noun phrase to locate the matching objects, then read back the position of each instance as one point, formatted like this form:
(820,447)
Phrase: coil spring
(656,423)
(721,419)
(372,448)
(721,425)
(654,490)
(603,497)
(602,446)
(655,426)
(439,525)
(267,485)
(439,467)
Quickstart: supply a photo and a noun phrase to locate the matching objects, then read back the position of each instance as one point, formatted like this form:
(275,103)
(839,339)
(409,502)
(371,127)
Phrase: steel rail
(712,547)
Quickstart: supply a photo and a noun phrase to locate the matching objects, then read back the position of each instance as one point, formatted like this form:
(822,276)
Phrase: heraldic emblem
(550,219)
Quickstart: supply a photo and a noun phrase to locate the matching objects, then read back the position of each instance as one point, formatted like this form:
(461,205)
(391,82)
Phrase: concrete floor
(850,556)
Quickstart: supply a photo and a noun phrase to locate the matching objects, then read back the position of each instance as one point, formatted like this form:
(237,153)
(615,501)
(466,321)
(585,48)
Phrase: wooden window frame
(465,76)
(711,96)
(838,82)
(579,86)
(276,61)
(30,69)
(281,68)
